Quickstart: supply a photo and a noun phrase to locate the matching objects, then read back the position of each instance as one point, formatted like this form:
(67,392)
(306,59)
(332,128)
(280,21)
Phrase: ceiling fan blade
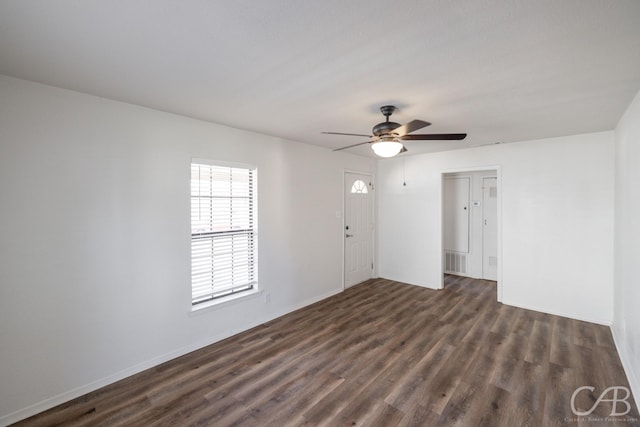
(348,134)
(354,145)
(434,137)
(412,126)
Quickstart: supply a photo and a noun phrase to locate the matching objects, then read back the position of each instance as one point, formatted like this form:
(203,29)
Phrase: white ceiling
(500,70)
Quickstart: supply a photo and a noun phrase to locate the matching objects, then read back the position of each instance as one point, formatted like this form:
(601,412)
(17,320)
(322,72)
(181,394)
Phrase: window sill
(225,301)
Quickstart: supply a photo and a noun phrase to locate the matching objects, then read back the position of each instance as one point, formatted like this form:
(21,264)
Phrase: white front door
(490,229)
(358,228)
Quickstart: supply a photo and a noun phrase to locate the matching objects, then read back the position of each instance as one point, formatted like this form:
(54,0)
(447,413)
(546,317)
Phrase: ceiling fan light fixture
(386,148)
(386,139)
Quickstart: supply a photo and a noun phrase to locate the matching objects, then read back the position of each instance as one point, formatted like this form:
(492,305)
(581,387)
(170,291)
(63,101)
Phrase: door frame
(374,234)
(498,171)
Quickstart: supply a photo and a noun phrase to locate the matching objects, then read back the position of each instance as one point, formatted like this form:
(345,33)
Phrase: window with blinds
(223,231)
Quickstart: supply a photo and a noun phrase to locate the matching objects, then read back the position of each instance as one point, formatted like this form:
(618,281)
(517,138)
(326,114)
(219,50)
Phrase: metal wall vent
(455,263)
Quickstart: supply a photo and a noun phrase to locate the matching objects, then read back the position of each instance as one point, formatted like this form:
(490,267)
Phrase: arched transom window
(359,187)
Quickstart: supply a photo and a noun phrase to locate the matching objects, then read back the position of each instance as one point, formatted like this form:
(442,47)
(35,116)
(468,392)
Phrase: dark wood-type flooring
(381,353)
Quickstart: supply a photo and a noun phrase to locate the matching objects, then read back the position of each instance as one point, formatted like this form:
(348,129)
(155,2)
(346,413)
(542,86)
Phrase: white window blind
(223,231)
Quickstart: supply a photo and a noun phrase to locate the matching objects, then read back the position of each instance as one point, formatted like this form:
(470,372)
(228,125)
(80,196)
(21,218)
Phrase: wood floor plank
(292,400)
(603,336)
(419,416)
(539,343)
(529,395)
(475,405)
(419,377)
(381,353)
(584,334)
(560,385)
(508,317)
(511,345)
(562,343)
(524,323)
(384,415)
(504,374)
(437,393)
(341,397)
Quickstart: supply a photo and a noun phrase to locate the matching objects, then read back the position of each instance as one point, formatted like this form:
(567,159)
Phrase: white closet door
(456,214)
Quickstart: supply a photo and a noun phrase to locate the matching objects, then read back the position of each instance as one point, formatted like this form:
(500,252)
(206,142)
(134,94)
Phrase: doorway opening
(471,224)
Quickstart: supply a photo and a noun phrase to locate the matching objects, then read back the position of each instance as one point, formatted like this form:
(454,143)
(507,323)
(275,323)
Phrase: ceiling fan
(387,136)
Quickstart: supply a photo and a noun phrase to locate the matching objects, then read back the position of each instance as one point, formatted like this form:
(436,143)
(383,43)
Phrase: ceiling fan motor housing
(385,127)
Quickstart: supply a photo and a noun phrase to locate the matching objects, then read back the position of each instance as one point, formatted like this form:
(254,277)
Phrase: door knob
(348,235)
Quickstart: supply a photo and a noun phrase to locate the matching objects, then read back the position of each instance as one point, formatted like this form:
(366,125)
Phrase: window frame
(238,291)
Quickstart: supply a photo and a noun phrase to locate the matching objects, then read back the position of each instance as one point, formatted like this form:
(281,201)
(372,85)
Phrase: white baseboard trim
(61,398)
(422,285)
(632,377)
(558,313)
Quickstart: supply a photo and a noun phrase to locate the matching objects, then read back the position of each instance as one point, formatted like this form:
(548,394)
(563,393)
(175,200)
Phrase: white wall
(95,238)
(557,221)
(626,325)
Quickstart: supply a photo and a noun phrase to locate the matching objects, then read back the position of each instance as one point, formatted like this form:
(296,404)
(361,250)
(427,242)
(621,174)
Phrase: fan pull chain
(404,178)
